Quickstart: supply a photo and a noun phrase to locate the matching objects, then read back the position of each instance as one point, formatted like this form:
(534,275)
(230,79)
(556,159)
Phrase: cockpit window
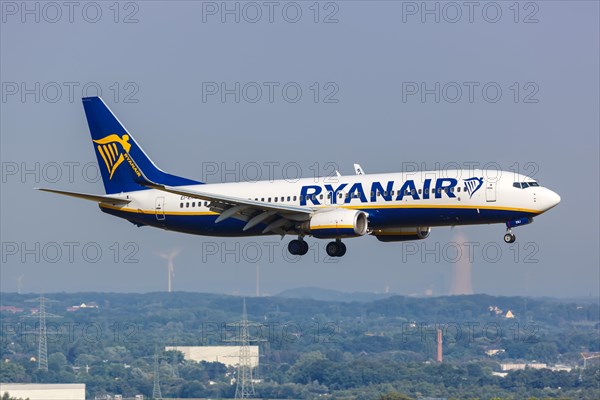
(525,185)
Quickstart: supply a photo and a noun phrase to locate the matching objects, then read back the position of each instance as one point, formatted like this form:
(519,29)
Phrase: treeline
(308,348)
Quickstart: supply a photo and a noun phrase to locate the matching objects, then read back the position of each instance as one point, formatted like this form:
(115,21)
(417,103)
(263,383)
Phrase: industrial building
(228,355)
(46,391)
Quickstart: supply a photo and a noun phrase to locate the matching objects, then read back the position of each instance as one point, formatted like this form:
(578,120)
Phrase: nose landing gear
(509,237)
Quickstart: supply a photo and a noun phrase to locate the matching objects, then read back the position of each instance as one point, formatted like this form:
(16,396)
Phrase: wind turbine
(19,284)
(170,265)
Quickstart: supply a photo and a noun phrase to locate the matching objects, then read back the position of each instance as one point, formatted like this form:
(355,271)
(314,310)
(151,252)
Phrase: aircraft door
(328,199)
(159,208)
(490,191)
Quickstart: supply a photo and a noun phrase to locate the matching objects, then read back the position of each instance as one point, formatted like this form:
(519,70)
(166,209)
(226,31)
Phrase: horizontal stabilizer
(92,197)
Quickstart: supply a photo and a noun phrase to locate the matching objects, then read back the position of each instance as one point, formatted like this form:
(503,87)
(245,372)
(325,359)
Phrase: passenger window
(194,204)
(340,195)
(458,189)
(180,205)
(288,198)
(419,191)
(269,200)
(392,192)
(275,199)
(321,197)
(206,204)
(262,199)
(187,205)
(294,198)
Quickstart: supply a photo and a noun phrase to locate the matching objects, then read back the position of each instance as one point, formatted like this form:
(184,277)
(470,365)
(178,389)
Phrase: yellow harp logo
(112,149)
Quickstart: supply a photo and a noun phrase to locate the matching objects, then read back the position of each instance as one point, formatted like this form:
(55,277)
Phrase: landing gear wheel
(298,247)
(510,237)
(304,249)
(295,247)
(332,249)
(335,249)
(342,249)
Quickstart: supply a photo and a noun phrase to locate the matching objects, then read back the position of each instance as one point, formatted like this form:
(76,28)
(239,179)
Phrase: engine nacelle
(401,234)
(338,223)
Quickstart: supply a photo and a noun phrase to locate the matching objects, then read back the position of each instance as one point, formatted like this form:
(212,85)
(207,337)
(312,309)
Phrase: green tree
(394,396)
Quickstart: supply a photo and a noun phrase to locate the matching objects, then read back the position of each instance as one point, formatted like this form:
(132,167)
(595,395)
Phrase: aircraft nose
(551,199)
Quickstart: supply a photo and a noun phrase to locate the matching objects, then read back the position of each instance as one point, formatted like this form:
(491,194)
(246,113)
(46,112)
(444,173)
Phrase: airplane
(393,207)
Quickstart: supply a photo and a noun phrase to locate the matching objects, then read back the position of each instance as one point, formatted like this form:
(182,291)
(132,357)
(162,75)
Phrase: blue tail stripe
(108,133)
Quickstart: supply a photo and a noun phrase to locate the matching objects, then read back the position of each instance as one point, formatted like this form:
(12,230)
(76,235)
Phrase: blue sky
(315,87)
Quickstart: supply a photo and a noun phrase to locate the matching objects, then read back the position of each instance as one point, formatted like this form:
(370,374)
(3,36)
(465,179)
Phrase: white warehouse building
(49,391)
(228,355)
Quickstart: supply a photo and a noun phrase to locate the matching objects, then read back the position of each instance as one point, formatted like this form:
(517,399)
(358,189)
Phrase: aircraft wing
(278,217)
(93,197)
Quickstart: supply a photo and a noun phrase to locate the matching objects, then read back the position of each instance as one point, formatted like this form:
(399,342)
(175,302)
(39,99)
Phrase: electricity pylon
(156,394)
(42,332)
(244,374)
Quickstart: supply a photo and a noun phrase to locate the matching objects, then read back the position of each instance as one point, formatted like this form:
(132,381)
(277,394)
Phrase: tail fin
(115,148)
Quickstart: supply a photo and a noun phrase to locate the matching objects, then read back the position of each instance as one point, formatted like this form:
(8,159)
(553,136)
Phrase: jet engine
(338,223)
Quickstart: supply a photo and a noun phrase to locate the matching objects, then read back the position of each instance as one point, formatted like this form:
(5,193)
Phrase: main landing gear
(509,237)
(335,249)
(298,247)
